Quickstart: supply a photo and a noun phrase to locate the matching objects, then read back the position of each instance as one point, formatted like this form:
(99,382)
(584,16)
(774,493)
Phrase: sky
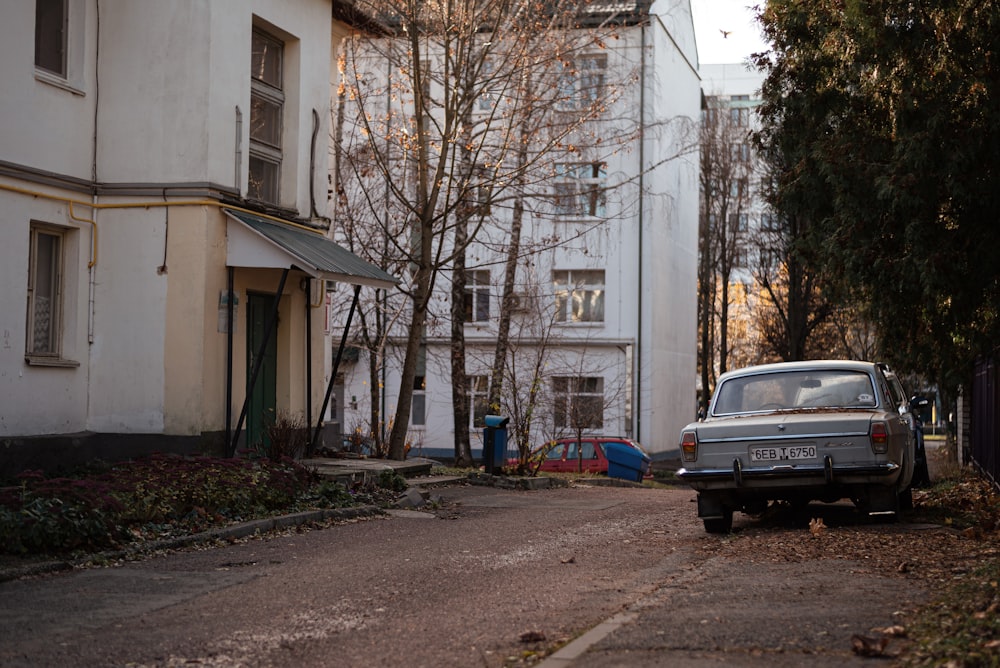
(711,17)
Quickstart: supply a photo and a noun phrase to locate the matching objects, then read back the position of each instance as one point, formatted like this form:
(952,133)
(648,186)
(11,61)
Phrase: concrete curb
(235,531)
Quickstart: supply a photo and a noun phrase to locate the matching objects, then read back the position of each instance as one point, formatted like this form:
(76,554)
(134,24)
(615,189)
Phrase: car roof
(809,365)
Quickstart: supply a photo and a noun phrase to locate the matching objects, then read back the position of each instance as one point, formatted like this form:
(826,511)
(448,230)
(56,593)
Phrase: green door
(262,409)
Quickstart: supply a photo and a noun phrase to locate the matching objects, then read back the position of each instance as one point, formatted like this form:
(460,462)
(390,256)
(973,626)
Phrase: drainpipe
(642,198)
(239,152)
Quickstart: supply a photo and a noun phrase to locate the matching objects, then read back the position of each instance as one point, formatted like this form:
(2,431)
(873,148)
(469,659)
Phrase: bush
(157,496)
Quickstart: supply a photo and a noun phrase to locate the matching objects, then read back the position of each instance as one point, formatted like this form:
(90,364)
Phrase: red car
(563,456)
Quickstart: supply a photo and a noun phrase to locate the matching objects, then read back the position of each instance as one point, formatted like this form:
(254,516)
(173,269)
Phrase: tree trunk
(459,379)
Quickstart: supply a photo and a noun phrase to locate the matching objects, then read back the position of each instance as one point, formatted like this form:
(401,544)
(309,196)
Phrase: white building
(733,89)
(614,299)
(152,155)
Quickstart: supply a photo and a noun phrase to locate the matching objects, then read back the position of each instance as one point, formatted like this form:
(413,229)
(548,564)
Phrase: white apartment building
(733,89)
(610,295)
(162,179)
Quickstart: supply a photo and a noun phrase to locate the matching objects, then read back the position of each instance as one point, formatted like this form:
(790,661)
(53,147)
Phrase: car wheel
(722,524)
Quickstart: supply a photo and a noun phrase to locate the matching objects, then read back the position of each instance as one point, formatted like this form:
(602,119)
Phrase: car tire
(722,524)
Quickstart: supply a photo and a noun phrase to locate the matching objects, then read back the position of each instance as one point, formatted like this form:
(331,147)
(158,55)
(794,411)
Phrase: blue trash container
(495,443)
(626,462)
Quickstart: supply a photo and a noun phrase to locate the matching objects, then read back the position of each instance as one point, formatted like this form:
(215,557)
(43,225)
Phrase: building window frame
(60,34)
(578,402)
(476,299)
(580,189)
(46,296)
(477,391)
(580,295)
(267,106)
(581,85)
(52,37)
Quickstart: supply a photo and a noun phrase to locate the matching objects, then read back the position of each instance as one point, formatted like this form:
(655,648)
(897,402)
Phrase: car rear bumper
(807,474)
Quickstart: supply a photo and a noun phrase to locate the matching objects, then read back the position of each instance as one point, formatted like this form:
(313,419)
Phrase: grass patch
(961,626)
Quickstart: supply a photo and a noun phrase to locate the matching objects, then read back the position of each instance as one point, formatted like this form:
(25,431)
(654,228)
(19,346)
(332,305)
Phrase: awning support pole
(259,361)
(229,357)
(336,367)
(309,358)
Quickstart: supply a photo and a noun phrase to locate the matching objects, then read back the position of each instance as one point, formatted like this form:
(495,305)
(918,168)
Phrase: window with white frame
(45,292)
(488,96)
(267,100)
(579,295)
(578,402)
(52,36)
(581,84)
(476,299)
(478,392)
(579,188)
(418,405)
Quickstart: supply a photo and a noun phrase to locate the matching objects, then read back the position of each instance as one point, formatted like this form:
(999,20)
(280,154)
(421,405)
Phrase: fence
(985,438)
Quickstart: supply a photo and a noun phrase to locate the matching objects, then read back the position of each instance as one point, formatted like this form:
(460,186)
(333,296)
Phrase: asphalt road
(625,576)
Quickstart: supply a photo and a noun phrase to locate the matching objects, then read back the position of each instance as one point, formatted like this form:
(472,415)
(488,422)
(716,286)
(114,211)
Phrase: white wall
(163,106)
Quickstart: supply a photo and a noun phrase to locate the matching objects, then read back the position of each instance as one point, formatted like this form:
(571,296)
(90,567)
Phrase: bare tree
(428,154)
(727,168)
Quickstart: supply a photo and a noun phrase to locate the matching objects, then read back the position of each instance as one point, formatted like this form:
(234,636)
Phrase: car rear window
(793,390)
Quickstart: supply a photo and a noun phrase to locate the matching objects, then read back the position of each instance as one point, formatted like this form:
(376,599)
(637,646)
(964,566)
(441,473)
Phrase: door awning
(255,241)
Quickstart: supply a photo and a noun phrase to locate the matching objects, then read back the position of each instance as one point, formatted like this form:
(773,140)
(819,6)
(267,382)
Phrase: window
(51,36)
(739,116)
(587,450)
(488,96)
(45,268)
(481,191)
(739,222)
(579,402)
(418,414)
(579,188)
(579,295)
(418,406)
(769,222)
(267,101)
(738,188)
(477,296)
(582,83)
(739,153)
(478,393)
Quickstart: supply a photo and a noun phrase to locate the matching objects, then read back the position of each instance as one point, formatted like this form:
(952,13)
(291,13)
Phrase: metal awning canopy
(255,241)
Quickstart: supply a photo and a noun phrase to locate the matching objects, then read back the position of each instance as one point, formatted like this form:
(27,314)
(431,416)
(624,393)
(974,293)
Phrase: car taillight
(879,437)
(689,446)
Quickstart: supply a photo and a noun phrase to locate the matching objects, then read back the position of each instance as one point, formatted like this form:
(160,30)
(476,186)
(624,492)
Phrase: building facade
(162,180)
(604,318)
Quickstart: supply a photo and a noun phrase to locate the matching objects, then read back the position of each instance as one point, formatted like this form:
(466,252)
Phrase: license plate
(782,453)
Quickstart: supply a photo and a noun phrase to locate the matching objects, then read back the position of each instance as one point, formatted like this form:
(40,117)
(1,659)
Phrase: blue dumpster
(495,443)
(626,462)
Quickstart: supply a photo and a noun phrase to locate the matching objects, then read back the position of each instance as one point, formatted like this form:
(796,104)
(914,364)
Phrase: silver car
(799,431)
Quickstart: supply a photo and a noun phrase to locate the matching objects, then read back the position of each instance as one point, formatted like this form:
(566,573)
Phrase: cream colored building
(153,154)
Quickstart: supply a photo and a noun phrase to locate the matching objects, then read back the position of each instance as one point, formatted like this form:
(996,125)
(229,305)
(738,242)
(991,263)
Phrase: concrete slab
(350,469)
